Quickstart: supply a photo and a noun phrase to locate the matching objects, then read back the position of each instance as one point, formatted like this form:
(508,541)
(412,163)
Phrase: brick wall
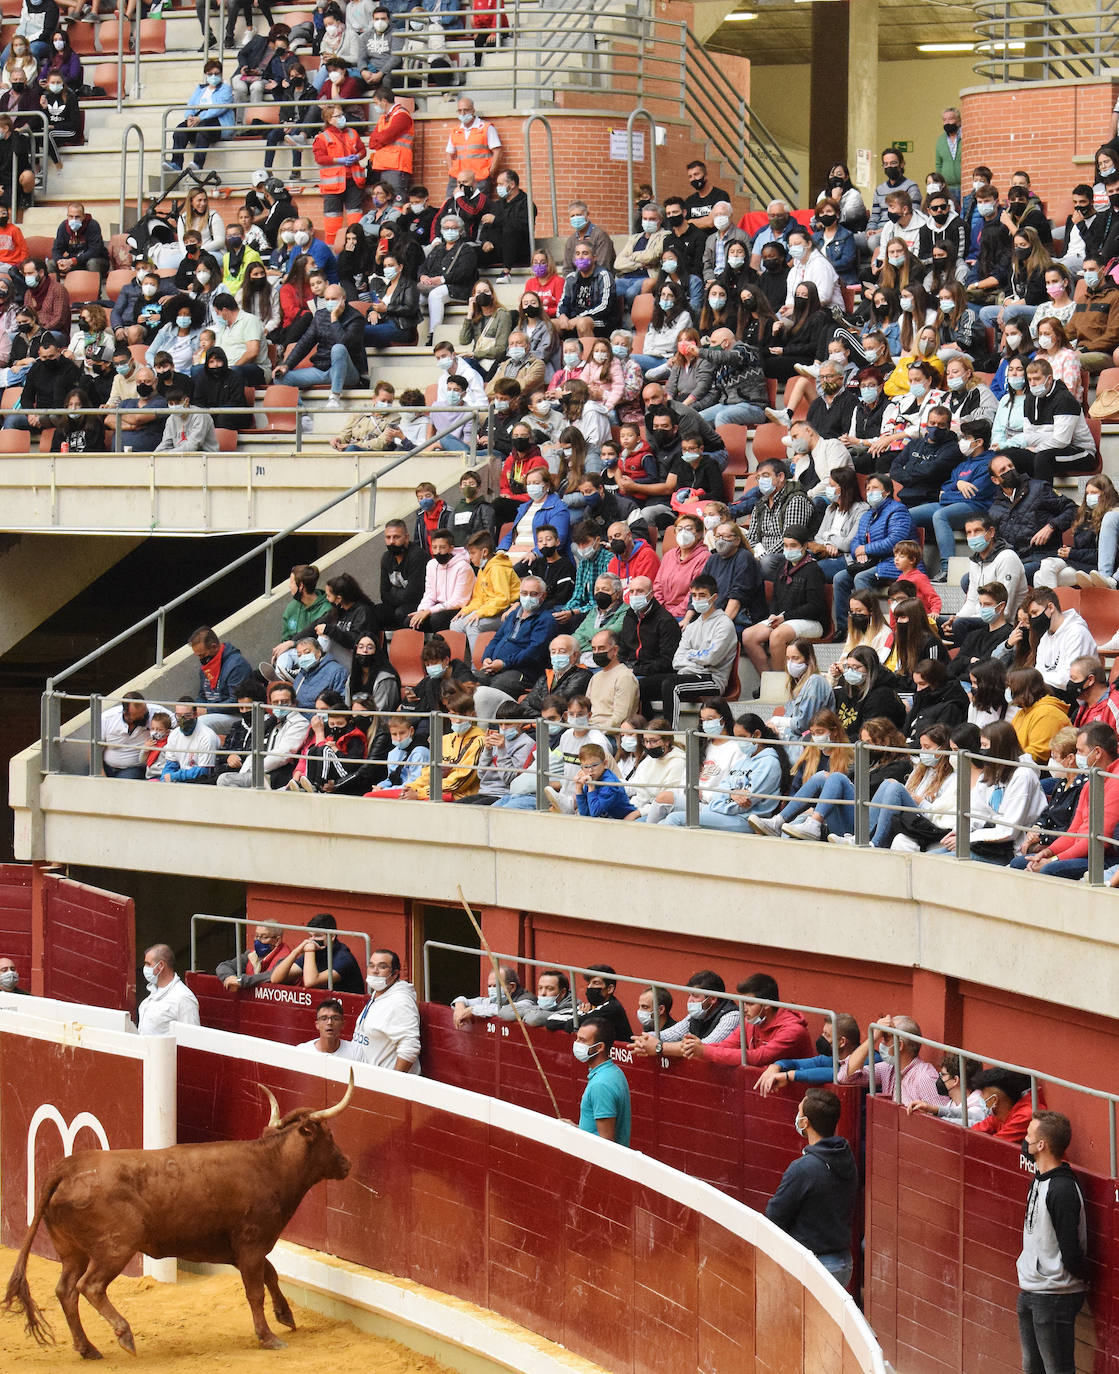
(1051,129)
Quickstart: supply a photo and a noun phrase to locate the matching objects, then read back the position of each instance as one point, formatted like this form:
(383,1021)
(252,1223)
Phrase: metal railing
(526,128)
(128,128)
(1034,1075)
(240,926)
(737,998)
(1045,40)
(158,618)
(545,777)
(40,159)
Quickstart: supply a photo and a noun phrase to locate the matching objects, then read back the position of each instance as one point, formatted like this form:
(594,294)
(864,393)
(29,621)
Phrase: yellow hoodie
(496,588)
(1037,724)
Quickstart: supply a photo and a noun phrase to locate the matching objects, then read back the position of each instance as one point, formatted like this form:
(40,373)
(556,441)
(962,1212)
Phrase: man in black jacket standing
(1053,1265)
(336,335)
(649,637)
(815,1199)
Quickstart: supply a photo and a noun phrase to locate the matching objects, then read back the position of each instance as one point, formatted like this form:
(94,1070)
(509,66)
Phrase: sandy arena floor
(200,1323)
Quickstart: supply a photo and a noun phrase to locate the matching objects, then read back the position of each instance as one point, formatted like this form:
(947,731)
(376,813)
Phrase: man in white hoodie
(387,1033)
(448,582)
(1065,637)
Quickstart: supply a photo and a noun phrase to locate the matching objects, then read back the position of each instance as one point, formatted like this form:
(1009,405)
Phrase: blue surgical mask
(184,321)
(1091,280)
(262,949)
(918,389)
(510,732)
(1038,390)
(1091,499)
(306,662)
(435,670)
(977,542)
(868,395)
(561,663)
(831,495)
(460,727)
(578,222)
(712,727)
(1015,382)
(535,492)
(700,605)
(214,79)
(956,383)
(450,235)
(747,748)
(530,603)
(620,351)
(796,251)
(427,503)
(765,485)
(875,497)
(793,555)
(638,601)
(546,1003)
(854,676)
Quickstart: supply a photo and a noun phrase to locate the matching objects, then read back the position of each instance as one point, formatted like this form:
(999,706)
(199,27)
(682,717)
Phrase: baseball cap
(260,176)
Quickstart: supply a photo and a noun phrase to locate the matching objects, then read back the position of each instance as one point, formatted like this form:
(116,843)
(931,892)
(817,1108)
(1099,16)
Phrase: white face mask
(377,983)
(582,1051)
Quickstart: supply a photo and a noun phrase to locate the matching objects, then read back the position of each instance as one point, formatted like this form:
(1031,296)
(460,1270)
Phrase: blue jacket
(761,772)
(553,512)
(522,641)
(222,95)
(921,467)
(604,802)
(321,256)
(977,471)
(167,332)
(234,669)
(127,305)
(842,253)
(327,675)
(879,530)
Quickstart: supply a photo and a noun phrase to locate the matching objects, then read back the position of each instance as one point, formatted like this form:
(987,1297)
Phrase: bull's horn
(274,1119)
(338,1108)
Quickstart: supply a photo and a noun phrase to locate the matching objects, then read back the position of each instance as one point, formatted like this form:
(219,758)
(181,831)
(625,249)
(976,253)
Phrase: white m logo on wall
(67,1130)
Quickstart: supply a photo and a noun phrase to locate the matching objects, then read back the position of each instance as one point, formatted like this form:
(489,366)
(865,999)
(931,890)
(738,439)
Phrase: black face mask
(936,436)
(216,371)
(144,388)
(823,1046)
(859,619)
(596,996)
(1040,623)
(893,175)
(618,547)
(674,220)
(655,751)
(603,600)
(522,443)
(771,264)
(941,1086)
(532,312)
(441,557)
(827,219)
(951,129)
(601,658)
(1010,480)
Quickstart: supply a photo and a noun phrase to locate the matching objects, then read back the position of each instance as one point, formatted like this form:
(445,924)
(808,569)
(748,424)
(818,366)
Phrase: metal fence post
(257,719)
(691,779)
(1096,861)
(543,753)
(94,735)
(160,636)
(862,795)
(963,1088)
(50,726)
(963,805)
(435,746)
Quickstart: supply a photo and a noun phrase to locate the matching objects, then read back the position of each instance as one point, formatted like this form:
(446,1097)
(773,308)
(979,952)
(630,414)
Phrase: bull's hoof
(272,1342)
(125,1341)
(285,1318)
(91,1353)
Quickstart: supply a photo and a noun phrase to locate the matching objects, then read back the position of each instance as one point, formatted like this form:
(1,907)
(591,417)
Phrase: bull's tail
(19,1291)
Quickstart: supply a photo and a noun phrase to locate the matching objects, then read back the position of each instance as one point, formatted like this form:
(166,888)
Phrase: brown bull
(219,1203)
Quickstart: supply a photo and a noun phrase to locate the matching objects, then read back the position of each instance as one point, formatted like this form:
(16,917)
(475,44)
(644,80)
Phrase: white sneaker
(1112,645)
(766,825)
(807,370)
(782,417)
(1083,580)
(1099,579)
(841,839)
(333,401)
(804,829)
(169,166)
(307,423)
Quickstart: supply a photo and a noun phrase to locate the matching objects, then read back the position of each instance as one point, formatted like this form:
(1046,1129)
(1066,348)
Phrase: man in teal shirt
(604,1109)
(949,152)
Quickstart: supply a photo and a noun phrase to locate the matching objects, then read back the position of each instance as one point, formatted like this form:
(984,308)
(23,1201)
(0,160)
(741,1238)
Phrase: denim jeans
(1074,869)
(944,521)
(709,819)
(840,1265)
(831,791)
(989,314)
(1047,1330)
(629,288)
(741,413)
(884,822)
(1109,542)
(340,374)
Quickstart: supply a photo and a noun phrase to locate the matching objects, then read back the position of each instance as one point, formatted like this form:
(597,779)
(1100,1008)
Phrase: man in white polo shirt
(169,999)
(124,736)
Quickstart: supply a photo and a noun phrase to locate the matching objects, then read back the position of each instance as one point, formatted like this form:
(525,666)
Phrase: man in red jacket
(1090,695)
(1067,856)
(771,1032)
(632,557)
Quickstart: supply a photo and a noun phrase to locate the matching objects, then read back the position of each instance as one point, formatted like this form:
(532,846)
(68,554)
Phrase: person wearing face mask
(551,565)
(387,1032)
(553,999)
(314,672)
(967,492)
(839,188)
(505,235)
(989,274)
(1066,855)
(187,430)
(1065,636)
(649,635)
(687,241)
(139,421)
(343,158)
(78,243)
(381,52)
(588,238)
(176,339)
(261,63)
(604,1109)
(49,381)
(9,977)
(191,750)
(710,1018)
(771,1032)
(707,652)
(473,146)
(884,524)
(1094,327)
(47,295)
(518,651)
(919,1077)
(779,224)
(815,1200)
(512,992)
(608,612)
(926,462)
(209,112)
(1055,435)
(449,581)
(589,305)
(640,256)
(836,242)
(810,265)
(719,243)
(613,691)
(168,1000)
(893,169)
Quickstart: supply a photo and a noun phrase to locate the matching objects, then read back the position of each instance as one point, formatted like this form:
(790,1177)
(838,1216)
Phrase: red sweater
(785,1036)
(1066,846)
(1019,1117)
(642,562)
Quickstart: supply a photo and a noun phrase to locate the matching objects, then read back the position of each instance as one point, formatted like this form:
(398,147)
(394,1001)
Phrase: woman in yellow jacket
(343,157)
(1039,715)
(462,748)
(496,588)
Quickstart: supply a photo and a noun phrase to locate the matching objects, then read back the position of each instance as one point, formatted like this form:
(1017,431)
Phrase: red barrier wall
(617,1272)
(72,1080)
(944,1227)
(15,916)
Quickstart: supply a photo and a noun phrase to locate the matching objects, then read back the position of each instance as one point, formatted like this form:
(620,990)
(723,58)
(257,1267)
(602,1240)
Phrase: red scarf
(431,517)
(212,669)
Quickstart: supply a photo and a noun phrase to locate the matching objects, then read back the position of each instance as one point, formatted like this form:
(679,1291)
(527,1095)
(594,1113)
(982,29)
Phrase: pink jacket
(611,389)
(674,577)
(447,586)
(786,1036)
